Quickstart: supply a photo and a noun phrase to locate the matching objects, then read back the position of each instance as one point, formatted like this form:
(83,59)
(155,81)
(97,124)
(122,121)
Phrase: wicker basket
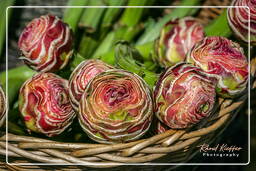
(172,146)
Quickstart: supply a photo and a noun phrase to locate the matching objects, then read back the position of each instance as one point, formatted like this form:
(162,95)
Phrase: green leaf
(16,77)
(109,57)
(125,58)
(219,27)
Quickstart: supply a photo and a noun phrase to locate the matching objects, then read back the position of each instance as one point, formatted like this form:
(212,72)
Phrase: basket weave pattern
(178,145)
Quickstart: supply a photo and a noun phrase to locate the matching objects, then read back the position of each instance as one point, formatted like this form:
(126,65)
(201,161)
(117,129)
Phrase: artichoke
(176,39)
(238,19)
(81,76)
(116,107)
(44,104)
(2,107)
(184,95)
(161,128)
(223,59)
(46,44)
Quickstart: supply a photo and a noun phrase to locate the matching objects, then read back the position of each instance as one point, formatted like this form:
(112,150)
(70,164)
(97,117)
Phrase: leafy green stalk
(22,72)
(3,5)
(153,32)
(112,13)
(125,58)
(110,17)
(128,27)
(132,16)
(16,77)
(91,17)
(87,46)
(105,45)
(122,33)
(73,15)
(128,33)
(144,50)
(108,57)
(151,66)
(219,26)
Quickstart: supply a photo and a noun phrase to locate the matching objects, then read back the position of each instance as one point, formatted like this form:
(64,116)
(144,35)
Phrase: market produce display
(223,59)
(44,104)
(125,84)
(116,107)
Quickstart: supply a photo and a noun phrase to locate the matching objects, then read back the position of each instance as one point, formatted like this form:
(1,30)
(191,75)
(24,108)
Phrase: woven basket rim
(175,142)
(171,141)
(167,142)
(140,151)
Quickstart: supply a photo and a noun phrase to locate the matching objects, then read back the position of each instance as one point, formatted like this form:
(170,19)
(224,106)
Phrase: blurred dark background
(235,134)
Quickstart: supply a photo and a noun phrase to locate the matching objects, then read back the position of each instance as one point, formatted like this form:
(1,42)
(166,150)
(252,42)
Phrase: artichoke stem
(125,56)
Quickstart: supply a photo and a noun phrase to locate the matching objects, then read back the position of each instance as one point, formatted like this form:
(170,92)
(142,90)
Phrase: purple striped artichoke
(116,107)
(2,107)
(44,104)
(184,95)
(238,19)
(46,44)
(176,39)
(81,76)
(224,60)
